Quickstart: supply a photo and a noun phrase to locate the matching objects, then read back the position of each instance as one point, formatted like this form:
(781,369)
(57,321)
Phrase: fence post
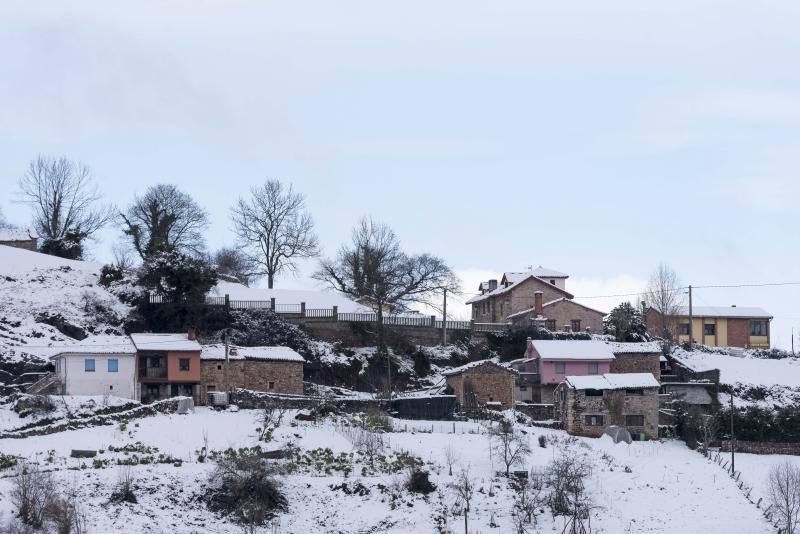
(433,321)
(336,313)
(227,301)
(272,303)
(303,309)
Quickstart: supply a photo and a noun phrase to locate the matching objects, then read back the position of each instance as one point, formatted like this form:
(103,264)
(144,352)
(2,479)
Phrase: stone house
(19,238)
(547,362)
(523,297)
(637,358)
(715,326)
(167,365)
(482,383)
(587,405)
(267,369)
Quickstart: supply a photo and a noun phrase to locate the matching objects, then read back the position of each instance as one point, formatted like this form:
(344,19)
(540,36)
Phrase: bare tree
(275,227)
(122,258)
(32,493)
(374,266)
(269,419)
(665,296)
(464,487)
(235,264)
(527,500)
(451,457)
(709,427)
(165,219)
(509,444)
(784,495)
(65,201)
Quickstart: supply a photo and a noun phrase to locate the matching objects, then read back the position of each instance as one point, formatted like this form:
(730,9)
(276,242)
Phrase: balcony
(153,373)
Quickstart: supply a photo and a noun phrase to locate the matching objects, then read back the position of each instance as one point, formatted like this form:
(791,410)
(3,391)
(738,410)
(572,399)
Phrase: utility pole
(444,319)
(733,442)
(225,337)
(691,326)
(792,341)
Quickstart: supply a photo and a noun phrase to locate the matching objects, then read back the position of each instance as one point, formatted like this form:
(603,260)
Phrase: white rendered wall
(78,381)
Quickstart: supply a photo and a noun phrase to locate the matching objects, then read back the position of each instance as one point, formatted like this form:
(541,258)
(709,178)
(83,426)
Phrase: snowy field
(639,488)
(745,369)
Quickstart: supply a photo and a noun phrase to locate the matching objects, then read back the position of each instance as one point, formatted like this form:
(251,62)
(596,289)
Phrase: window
(550,324)
(111,388)
(211,387)
(183,364)
(271,385)
(560,368)
(634,420)
(594,392)
(758,328)
(593,420)
(552,282)
(709,329)
(638,392)
(683,329)
(113,365)
(594,368)
(88,365)
(219,367)
(576,325)
(523,388)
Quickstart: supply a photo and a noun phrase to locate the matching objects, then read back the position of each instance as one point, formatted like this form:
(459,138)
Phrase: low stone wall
(762,447)
(253,400)
(537,412)
(359,334)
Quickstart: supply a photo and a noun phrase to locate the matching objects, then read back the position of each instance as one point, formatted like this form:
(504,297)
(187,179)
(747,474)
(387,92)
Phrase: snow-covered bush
(419,482)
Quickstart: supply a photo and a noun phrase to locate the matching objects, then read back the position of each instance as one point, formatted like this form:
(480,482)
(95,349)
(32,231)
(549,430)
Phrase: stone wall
(519,298)
(762,447)
(639,362)
(357,334)
(483,383)
(537,412)
(256,375)
(685,374)
(564,311)
(572,406)
(28,244)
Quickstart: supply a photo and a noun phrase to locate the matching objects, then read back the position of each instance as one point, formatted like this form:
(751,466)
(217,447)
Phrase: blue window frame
(113,365)
(88,365)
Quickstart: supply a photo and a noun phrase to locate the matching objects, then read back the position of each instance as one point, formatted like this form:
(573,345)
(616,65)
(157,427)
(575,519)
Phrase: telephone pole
(227,360)
(733,441)
(691,326)
(444,319)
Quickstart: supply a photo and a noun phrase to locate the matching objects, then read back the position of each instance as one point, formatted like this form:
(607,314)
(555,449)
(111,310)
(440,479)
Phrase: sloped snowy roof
(550,303)
(17,234)
(572,350)
(15,261)
(470,365)
(312,298)
(100,344)
(613,381)
(217,352)
(540,272)
(747,312)
(174,342)
(627,348)
(503,289)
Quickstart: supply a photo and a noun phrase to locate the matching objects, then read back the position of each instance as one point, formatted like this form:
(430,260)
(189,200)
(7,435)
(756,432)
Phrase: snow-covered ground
(639,488)
(743,369)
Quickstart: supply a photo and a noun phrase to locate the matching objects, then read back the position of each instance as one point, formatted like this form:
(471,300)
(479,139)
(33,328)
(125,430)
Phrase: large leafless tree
(65,200)
(235,264)
(374,266)
(275,228)
(783,487)
(665,296)
(165,219)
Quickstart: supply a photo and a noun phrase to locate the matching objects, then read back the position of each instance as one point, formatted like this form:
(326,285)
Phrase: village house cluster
(150,367)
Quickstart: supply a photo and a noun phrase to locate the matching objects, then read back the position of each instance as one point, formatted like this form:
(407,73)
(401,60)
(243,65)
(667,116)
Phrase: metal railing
(153,372)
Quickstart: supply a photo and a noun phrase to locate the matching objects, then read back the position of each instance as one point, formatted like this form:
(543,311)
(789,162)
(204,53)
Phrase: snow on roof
(217,352)
(312,298)
(618,347)
(540,272)
(173,342)
(100,344)
(572,350)
(742,369)
(503,289)
(17,234)
(470,365)
(726,311)
(613,381)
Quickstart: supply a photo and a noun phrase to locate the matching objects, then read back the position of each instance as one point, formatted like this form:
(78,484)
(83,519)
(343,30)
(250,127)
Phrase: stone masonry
(573,405)
(563,312)
(257,375)
(519,297)
(637,362)
(487,382)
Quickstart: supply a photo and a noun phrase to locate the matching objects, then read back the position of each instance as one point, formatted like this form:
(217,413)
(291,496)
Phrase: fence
(332,314)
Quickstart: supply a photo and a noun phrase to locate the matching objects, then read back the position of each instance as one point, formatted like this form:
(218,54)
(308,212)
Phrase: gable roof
(613,381)
(173,342)
(503,289)
(540,272)
(572,350)
(274,353)
(17,234)
(100,344)
(491,361)
(746,312)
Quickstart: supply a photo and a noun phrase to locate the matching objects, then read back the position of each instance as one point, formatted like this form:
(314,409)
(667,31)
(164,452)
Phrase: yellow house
(718,326)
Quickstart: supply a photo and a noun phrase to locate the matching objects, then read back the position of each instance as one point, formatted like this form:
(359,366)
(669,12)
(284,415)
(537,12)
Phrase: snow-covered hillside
(46,300)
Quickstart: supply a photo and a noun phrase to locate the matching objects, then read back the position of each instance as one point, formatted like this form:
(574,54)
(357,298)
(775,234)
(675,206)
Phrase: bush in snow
(243,486)
(251,328)
(124,491)
(70,246)
(31,494)
(625,323)
(419,482)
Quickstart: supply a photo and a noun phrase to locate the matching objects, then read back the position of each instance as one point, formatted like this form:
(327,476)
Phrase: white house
(97,365)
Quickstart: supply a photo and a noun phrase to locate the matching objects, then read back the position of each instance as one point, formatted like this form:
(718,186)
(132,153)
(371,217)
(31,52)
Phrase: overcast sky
(596,138)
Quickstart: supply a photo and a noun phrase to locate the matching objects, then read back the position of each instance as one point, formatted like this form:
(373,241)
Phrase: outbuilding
(482,383)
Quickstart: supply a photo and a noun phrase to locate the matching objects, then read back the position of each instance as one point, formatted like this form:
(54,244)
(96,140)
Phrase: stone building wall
(563,312)
(638,362)
(488,383)
(519,298)
(572,406)
(255,375)
(28,244)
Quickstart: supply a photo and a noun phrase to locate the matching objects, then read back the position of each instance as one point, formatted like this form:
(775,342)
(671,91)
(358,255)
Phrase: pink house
(547,363)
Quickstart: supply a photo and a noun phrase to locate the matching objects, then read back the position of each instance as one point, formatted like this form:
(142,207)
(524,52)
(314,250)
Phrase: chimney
(192,333)
(733,305)
(232,351)
(537,303)
(492,285)
(529,348)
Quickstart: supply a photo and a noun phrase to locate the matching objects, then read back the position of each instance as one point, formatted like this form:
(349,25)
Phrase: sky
(594,138)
